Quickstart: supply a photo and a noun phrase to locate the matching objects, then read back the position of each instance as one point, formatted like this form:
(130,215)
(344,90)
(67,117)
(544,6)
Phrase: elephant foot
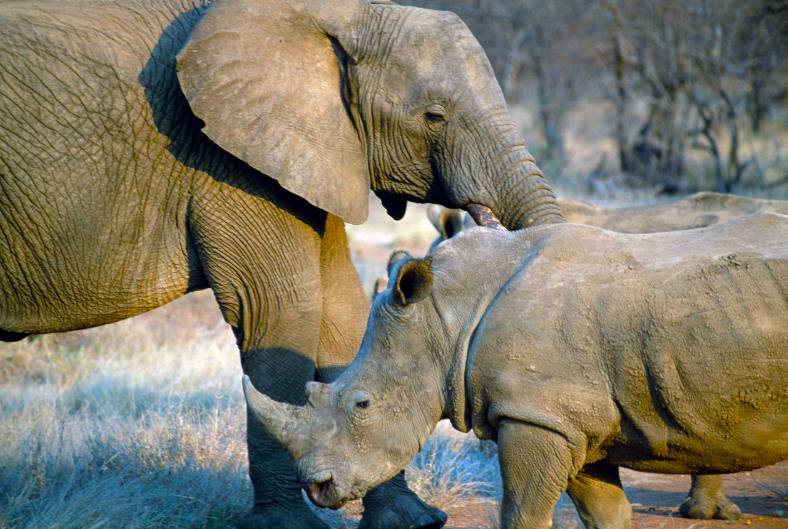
(280,517)
(702,506)
(394,506)
(404,515)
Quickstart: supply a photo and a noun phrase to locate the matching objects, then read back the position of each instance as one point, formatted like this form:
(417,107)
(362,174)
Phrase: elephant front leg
(391,505)
(535,466)
(599,497)
(280,361)
(264,268)
(278,502)
(706,500)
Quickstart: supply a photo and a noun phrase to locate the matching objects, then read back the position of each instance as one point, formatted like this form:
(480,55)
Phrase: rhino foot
(700,506)
(394,506)
(279,517)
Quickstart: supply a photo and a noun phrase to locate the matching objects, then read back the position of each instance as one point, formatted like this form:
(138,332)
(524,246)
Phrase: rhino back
(654,350)
(696,211)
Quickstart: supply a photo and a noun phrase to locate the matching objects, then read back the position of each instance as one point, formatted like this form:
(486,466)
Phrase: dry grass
(138,424)
(453,468)
(141,424)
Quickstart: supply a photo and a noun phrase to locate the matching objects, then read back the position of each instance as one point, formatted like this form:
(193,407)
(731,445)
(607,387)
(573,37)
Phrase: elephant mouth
(322,490)
(483,216)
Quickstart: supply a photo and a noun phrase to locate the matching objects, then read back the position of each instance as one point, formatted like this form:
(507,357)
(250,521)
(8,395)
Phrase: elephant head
(334,97)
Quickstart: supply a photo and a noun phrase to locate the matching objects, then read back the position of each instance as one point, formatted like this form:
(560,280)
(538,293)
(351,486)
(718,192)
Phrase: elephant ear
(269,80)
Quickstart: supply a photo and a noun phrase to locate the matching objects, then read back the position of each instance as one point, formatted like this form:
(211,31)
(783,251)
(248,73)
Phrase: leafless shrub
(674,95)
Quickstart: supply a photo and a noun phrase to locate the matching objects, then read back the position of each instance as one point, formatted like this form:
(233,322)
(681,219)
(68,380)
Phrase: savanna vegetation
(670,96)
(141,423)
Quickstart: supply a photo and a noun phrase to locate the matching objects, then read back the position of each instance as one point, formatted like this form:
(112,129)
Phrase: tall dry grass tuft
(176,465)
(138,424)
(454,468)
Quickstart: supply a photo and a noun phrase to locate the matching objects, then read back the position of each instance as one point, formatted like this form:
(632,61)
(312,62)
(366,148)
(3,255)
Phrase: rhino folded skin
(665,352)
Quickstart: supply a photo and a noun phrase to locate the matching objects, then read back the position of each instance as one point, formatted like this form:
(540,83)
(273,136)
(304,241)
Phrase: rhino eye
(362,404)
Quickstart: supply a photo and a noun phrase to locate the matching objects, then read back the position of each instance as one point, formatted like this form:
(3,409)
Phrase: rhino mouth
(323,491)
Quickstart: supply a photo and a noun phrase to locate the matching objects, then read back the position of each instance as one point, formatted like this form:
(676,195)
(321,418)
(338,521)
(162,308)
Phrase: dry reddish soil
(655,499)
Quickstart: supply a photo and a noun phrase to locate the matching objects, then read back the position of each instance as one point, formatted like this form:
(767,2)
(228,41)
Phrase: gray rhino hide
(664,352)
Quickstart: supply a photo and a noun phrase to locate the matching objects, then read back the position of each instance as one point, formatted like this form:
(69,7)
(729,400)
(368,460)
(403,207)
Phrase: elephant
(706,499)
(150,148)
(582,351)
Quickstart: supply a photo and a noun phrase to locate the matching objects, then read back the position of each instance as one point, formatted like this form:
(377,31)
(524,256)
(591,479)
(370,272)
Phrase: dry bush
(660,95)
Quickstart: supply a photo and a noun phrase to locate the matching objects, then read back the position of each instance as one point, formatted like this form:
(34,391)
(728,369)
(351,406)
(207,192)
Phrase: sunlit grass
(142,424)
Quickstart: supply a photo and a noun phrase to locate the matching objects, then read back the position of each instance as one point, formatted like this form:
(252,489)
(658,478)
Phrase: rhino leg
(599,497)
(535,466)
(706,500)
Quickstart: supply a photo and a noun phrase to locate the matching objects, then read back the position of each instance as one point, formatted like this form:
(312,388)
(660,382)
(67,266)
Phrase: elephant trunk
(285,423)
(525,197)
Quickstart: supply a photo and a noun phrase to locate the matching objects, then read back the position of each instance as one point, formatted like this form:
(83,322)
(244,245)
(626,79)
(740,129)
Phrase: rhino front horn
(281,420)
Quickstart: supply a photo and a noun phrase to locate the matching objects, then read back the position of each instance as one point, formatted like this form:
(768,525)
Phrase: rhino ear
(414,281)
(395,258)
(269,79)
(448,222)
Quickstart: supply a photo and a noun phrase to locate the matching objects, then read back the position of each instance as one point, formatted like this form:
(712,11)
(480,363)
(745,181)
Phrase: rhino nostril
(320,488)
(320,484)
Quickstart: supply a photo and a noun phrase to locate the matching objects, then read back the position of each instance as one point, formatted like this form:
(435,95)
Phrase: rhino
(578,350)
(705,499)
(695,211)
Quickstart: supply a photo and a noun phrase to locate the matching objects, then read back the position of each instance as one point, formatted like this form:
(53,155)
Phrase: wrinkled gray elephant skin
(149,148)
(582,351)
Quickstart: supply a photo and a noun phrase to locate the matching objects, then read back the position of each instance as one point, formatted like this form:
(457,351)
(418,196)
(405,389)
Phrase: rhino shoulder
(519,368)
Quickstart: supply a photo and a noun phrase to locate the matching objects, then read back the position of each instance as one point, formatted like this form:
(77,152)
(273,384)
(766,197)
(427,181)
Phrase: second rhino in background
(695,211)
(705,499)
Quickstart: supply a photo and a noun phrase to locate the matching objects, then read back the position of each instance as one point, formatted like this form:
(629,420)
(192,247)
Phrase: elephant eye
(364,404)
(435,114)
(434,117)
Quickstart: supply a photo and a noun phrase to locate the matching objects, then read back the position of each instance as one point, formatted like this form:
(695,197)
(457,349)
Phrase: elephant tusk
(483,216)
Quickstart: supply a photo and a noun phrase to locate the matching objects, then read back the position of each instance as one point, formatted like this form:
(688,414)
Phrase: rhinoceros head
(365,427)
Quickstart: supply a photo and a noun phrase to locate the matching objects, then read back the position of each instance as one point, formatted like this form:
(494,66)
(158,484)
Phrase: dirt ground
(655,499)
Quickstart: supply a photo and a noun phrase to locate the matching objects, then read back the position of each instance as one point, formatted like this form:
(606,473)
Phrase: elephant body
(149,148)
(582,351)
(114,203)
(85,108)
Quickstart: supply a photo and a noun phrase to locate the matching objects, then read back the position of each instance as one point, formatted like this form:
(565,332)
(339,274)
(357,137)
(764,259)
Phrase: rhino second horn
(483,216)
(282,421)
